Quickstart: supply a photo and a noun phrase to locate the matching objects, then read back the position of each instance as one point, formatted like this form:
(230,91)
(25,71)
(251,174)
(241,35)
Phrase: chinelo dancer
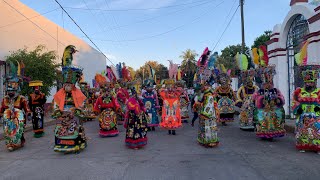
(69,131)
(122,97)
(171,117)
(88,104)
(205,105)
(37,99)
(135,120)
(108,106)
(245,92)
(306,107)
(269,114)
(151,104)
(184,101)
(225,98)
(14,109)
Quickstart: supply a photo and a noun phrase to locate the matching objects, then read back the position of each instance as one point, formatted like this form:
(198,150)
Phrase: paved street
(239,156)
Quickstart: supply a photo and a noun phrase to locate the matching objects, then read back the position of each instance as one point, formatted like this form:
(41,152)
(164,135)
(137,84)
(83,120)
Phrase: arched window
(298,30)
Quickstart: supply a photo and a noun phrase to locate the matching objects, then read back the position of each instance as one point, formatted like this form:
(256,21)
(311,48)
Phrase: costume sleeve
(115,103)
(2,109)
(240,94)
(24,105)
(141,105)
(281,98)
(43,99)
(156,99)
(296,102)
(97,104)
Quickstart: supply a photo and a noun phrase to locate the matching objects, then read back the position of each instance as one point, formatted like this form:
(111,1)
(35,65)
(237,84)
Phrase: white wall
(281,79)
(26,34)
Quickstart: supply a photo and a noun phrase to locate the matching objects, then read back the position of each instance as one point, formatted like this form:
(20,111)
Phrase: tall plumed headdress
(309,73)
(265,75)
(15,78)
(260,56)
(70,73)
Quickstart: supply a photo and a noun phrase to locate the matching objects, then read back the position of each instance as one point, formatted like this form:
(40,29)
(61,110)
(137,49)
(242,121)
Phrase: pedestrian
(108,107)
(151,104)
(69,131)
(306,107)
(135,122)
(225,99)
(37,99)
(208,131)
(269,114)
(14,108)
(245,101)
(171,117)
(195,104)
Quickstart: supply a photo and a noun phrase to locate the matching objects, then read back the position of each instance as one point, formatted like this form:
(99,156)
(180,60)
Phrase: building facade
(301,24)
(17,32)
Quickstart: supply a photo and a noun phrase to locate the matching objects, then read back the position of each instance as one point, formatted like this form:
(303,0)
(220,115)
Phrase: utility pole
(242,26)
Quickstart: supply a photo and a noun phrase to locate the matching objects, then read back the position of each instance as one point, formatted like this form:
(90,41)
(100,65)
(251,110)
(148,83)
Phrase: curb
(30,128)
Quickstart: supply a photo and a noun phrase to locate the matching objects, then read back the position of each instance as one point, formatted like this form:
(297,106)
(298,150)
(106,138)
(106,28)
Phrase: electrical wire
(139,9)
(225,29)
(83,31)
(33,22)
(153,18)
(166,32)
(28,18)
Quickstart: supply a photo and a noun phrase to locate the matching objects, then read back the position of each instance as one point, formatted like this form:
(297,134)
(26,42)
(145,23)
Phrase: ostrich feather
(13,69)
(19,69)
(304,53)
(243,62)
(264,59)
(298,59)
(114,72)
(202,59)
(22,67)
(212,60)
(100,79)
(255,56)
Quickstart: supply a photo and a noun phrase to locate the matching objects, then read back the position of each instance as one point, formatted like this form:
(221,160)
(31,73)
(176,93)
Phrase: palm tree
(188,65)
(188,56)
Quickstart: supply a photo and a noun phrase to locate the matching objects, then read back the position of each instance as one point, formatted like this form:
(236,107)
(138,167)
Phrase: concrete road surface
(239,156)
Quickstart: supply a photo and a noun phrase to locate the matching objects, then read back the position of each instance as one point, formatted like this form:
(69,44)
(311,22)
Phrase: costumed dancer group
(118,99)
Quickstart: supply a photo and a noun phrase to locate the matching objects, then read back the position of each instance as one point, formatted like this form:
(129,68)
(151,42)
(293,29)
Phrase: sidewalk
(48,121)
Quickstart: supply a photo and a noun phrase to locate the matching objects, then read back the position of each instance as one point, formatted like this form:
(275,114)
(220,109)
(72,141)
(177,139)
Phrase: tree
(39,65)
(262,39)
(188,66)
(161,71)
(227,57)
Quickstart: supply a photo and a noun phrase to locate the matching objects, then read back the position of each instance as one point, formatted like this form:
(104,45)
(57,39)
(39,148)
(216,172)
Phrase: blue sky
(161,29)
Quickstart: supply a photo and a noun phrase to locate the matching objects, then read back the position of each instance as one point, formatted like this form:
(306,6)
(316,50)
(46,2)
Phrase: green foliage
(188,66)
(227,57)
(161,71)
(262,39)
(39,65)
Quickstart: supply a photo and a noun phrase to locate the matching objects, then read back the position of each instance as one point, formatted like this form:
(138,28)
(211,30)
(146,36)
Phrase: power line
(226,28)
(166,32)
(83,32)
(116,23)
(29,18)
(138,9)
(33,22)
(152,18)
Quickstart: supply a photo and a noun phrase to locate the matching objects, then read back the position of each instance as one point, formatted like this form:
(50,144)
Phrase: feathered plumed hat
(14,79)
